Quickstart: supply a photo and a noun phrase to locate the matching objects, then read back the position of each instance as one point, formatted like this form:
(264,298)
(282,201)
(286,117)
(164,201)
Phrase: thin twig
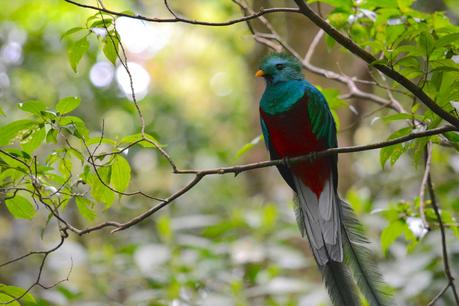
(190,21)
(92,161)
(439,294)
(40,272)
(444,248)
(424,184)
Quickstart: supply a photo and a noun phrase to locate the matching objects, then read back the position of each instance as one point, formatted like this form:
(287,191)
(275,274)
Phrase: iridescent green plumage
(296,120)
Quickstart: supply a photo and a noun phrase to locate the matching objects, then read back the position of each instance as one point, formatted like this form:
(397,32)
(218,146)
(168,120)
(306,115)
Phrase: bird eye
(280,66)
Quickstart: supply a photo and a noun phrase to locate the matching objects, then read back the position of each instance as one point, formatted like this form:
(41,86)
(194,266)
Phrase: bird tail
(340,283)
(329,257)
(358,258)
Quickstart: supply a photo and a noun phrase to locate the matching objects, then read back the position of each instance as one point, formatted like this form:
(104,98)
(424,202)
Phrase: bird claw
(286,162)
(312,156)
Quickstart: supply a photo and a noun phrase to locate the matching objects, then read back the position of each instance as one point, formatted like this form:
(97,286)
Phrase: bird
(296,120)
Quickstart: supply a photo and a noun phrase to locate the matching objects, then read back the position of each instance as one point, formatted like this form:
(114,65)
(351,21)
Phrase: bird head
(279,67)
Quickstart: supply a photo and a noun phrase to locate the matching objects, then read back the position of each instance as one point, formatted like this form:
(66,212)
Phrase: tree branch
(176,18)
(37,281)
(200,174)
(439,295)
(425,177)
(444,250)
(370,59)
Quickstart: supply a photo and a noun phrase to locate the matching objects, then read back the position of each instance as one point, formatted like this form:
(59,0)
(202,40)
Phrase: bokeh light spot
(140,79)
(101,74)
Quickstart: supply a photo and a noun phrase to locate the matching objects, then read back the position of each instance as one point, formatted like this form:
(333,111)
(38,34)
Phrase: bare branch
(154,209)
(40,270)
(424,183)
(199,174)
(444,249)
(439,295)
(166,3)
(354,90)
(190,21)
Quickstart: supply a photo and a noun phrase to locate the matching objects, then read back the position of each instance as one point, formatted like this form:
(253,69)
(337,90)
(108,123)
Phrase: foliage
(75,153)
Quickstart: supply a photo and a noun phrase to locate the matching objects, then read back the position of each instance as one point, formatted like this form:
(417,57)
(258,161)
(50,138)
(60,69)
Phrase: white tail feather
(320,220)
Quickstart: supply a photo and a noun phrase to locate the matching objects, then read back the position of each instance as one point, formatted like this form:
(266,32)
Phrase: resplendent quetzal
(296,120)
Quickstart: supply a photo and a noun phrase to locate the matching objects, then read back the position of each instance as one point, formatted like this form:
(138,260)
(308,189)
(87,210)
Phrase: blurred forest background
(230,240)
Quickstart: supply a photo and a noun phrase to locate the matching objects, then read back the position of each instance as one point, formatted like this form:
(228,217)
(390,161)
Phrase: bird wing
(323,210)
(283,170)
(322,124)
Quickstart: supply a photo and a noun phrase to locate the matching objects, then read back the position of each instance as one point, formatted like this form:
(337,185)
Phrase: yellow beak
(260,73)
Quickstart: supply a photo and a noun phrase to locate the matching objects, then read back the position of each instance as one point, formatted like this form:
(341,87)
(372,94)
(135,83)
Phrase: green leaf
(329,41)
(77,154)
(20,207)
(386,153)
(110,49)
(269,217)
(71,31)
(360,204)
(136,137)
(164,227)
(120,174)
(336,3)
(447,40)
(452,136)
(448,218)
(445,68)
(393,32)
(34,140)
(2,113)
(403,116)
(102,23)
(359,33)
(76,51)
(97,140)
(11,130)
(394,230)
(33,106)
(85,208)
(419,147)
(128,12)
(11,173)
(99,191)
(65,166)
(68,104)
(51,136)
(382,62)
(395,151)
(12,162)
(409,61)
(8,300)
(426,43)
(74,125)
(405,4)
(381,3)
(338,19)
(16,292)
(245,148)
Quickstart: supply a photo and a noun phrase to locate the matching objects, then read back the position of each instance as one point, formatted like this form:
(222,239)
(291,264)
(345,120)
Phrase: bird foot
(312,156)
(286,162)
